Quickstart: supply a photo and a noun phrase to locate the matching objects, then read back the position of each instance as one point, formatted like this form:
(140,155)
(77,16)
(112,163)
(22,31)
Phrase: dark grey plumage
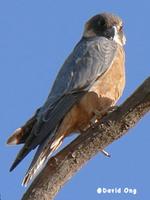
(65,109)
(90,59)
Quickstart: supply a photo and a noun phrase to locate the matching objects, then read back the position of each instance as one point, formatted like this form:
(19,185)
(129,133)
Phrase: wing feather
(89,60)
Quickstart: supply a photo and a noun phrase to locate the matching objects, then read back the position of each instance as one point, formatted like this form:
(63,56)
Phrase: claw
(113,108)
(99,114)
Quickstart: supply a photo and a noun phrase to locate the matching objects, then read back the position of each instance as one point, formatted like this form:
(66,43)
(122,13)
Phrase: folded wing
(89,60)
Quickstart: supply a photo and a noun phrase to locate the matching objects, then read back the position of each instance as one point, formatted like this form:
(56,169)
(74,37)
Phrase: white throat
(117,38)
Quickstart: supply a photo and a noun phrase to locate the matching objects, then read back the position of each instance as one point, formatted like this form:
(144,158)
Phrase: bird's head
(105,25)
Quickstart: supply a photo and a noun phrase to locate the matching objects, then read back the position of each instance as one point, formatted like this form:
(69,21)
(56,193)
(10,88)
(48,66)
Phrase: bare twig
(63,166)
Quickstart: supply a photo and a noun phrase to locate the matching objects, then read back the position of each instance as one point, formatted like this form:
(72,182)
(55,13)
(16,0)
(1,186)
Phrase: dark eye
(101,22)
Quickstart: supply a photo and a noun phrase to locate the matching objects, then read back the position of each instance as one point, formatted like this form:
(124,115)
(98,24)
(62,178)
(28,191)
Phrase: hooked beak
(119,37)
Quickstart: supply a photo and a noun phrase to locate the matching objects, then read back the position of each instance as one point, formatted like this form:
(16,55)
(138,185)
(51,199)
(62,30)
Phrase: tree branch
(63,166)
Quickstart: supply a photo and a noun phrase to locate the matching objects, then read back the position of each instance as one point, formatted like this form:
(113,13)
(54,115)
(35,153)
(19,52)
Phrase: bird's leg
(101,113)
(98,114)
(93,121)
(112,108)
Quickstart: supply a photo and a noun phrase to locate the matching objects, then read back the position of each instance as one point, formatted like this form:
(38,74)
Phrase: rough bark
(63,166)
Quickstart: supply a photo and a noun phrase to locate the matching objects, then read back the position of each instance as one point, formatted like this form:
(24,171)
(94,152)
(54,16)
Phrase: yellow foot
(98,114)
(111,109)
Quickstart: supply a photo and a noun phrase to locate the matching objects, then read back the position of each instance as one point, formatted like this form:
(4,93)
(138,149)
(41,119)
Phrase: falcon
(89,83)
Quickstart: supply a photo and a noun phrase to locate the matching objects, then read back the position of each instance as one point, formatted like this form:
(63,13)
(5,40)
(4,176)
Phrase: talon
(113,108)
(93,121)
(98,114)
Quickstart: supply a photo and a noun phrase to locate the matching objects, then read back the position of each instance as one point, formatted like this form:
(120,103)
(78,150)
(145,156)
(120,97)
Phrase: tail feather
(42,155)
(16,137)
(21,134)
(45,149)
(21,155)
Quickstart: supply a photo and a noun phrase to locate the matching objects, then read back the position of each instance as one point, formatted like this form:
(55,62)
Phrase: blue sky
(35,38)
